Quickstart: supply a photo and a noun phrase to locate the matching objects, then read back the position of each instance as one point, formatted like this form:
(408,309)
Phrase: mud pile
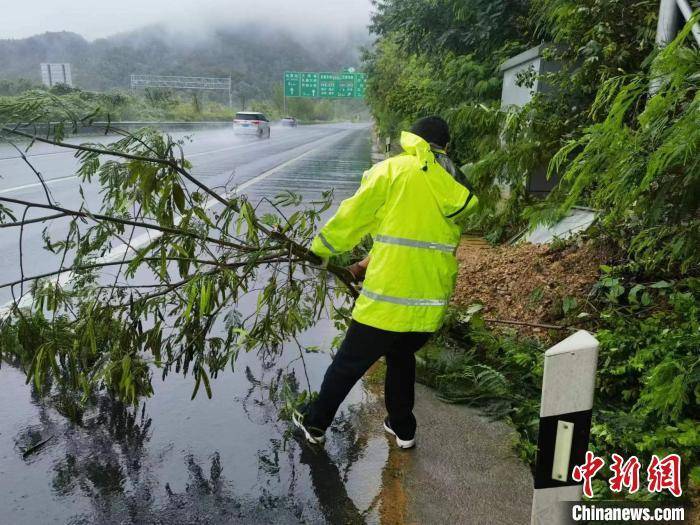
(526,283)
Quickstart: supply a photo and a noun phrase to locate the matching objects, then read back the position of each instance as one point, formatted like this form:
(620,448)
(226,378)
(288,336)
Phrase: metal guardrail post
(670,21)
(667,26)
(687,12)
(565,423)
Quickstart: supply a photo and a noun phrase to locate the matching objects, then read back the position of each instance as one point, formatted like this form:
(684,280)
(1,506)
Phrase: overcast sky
(99,18)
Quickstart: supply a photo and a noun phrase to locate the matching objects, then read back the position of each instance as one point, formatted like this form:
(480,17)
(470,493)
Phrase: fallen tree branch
(171,321)
(32,221)
(74,269)
(141,158)
(299,250)
(34,448)
(523,323)
(97,217)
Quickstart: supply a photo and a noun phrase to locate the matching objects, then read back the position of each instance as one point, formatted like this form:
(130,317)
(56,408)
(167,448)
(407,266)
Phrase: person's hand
(357,271)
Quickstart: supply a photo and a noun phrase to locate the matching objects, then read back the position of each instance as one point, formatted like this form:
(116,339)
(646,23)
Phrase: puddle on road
(224,460)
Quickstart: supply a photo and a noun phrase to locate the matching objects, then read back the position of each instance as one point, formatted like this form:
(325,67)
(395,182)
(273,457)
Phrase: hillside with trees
(254,55)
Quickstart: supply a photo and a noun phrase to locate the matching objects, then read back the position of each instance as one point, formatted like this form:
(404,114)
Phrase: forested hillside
(255,56)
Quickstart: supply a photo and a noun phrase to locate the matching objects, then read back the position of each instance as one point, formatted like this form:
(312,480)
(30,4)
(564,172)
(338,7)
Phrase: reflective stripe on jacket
(408,204)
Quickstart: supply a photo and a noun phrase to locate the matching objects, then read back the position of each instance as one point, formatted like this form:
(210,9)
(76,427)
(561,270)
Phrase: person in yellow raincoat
(408,204)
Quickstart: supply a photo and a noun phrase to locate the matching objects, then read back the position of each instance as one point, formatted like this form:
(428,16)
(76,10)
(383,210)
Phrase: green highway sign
(347,84)
(360,81)
(292,86)
(328,85)
(309,85)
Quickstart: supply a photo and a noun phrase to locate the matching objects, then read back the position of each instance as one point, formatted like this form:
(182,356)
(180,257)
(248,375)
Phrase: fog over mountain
(104,18)
(249,52)
(253,41)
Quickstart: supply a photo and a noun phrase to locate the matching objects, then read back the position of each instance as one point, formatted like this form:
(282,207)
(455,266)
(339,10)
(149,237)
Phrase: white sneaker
(312,435)
(401,443)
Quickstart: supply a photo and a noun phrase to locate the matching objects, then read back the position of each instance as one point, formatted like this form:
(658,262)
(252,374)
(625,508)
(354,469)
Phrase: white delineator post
(565,425)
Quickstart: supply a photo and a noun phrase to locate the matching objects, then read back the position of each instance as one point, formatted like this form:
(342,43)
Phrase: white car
(251,123)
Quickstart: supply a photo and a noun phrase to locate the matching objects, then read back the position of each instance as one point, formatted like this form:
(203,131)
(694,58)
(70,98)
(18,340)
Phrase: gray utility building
(522,78)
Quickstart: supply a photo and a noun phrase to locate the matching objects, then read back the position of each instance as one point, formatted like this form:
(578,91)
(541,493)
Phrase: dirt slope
(526,282)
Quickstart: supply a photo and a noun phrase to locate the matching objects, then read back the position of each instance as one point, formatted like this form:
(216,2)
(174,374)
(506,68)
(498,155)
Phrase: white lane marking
(147,237)
(36,184)
(73,177)
(198,153)
(16,157)
(65,151)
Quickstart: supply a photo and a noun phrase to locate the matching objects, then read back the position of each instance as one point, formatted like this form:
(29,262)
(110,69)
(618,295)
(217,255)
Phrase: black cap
(432,129)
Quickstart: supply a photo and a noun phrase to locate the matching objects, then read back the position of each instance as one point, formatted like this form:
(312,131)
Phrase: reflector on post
(565,424)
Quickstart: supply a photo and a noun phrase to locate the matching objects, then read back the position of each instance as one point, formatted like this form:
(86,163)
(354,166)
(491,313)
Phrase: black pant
(361,348)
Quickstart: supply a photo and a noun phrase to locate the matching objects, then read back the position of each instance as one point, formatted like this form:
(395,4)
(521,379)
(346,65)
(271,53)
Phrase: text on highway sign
(324,85)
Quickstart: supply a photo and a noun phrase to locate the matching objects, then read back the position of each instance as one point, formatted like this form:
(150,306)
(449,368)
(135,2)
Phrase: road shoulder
(463,469)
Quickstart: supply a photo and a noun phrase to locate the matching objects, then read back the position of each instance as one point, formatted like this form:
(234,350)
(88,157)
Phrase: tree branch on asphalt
(24,222)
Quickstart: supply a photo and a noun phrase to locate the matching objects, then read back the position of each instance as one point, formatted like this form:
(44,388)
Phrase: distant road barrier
(99,127)
(565,425)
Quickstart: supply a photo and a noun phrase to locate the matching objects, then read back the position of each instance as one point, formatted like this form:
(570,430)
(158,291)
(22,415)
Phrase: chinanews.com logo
(618,513)
(663,474)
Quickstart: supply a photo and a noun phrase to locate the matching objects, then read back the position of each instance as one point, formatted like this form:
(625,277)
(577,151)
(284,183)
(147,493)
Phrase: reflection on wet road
(224,460)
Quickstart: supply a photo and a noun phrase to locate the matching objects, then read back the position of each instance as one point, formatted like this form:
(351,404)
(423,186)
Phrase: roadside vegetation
(162,105)
(621,133)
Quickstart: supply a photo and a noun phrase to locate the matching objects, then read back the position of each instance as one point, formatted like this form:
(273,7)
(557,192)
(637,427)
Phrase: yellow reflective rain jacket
(408,204)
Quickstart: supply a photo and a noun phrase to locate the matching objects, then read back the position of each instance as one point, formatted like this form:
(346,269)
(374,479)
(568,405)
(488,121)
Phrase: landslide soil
(526,283)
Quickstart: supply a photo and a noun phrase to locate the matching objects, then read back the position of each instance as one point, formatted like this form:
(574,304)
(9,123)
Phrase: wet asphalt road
(173,460)
(219,158)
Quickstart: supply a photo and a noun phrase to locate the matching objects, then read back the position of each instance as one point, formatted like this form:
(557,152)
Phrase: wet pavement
(219,159)
(464,469)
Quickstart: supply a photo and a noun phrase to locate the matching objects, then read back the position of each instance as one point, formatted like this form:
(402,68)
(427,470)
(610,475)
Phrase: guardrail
(669,19)
(99,127)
